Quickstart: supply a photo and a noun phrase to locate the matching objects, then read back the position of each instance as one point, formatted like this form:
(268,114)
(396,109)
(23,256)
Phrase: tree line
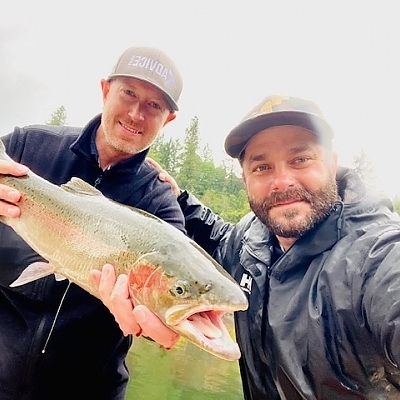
(217,186)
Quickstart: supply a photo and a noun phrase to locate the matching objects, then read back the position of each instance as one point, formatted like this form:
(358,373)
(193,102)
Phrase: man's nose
(136,111)
(283,179)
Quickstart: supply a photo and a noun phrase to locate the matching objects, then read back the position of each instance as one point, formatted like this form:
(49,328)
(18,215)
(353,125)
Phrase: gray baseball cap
(151,65)
(276,111)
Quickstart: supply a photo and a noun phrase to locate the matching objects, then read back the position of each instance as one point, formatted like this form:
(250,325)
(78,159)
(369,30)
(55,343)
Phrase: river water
(183,373)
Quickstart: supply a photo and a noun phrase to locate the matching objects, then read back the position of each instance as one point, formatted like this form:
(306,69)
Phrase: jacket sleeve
(207,229)
(379,288)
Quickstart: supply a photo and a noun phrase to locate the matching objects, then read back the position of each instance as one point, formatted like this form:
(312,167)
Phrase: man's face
(290,179)
(134,113)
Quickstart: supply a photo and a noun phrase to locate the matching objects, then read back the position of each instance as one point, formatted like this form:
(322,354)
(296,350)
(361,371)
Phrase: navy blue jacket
(83,355)
(324,318)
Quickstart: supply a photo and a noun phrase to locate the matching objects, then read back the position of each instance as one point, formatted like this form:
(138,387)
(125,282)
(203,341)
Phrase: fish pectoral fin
(79,186)
(59,277)
(33,272)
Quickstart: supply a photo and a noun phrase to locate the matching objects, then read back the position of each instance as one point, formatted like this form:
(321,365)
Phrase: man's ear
(334,163)
(171,117)
(105,88)
(243,178)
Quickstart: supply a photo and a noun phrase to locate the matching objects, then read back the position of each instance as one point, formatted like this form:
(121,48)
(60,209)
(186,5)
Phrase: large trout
(76,229)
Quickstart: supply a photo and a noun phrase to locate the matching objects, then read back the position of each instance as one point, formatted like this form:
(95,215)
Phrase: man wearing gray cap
(56,340)
(318,258)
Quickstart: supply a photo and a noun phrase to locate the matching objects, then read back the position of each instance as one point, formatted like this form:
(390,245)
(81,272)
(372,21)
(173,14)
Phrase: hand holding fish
(114,292)
(10,196)
(138,320)
(76,229)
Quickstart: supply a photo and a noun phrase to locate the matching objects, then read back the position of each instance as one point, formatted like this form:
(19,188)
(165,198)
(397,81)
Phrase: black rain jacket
(324,317)
(83,355)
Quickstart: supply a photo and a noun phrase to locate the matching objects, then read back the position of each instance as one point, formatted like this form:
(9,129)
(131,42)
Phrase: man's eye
(155,105)
(301,160)
(260,168)
(129,92)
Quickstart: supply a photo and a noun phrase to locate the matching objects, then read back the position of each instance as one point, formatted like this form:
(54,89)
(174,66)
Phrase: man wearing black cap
(318,257)
(56,340)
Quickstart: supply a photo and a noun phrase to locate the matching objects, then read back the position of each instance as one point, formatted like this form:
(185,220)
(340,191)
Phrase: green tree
(396,204)
(218,187)
(58,117)
(167,153)
(190,173)
(233,183)
(207,153)
(364,167)
(230,207)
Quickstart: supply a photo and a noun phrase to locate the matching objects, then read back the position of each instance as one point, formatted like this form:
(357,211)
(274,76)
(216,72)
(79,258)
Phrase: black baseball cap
(277,110)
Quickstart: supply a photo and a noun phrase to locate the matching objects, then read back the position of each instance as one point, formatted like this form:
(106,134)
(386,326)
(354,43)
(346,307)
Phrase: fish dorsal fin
(79,186)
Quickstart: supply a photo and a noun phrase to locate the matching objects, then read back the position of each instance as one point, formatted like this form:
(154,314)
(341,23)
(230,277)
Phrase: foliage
(190,176)
(167,153)
(364,167)
(58,117)
(218,187)
(231,207)
(396,204)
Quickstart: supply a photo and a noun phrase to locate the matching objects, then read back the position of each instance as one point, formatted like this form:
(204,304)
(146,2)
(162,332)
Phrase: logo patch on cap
(270,105)
(277,110)
(152,65)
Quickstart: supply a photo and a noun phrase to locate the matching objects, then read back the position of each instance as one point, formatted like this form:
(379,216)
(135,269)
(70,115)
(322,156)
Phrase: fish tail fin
(33,272)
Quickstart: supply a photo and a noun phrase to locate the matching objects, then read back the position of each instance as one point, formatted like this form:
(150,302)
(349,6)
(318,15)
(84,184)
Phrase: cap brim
(238,138)
(169,99)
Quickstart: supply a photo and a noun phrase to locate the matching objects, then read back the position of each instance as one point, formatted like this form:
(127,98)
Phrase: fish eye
(180,289)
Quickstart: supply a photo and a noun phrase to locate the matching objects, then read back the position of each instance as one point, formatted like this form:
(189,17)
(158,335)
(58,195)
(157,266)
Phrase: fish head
(190,299)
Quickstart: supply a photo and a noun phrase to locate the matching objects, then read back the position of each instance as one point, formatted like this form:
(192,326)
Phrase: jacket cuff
(183,197)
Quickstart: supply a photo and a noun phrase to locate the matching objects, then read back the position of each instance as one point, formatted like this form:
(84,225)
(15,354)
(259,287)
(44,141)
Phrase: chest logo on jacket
(246,282)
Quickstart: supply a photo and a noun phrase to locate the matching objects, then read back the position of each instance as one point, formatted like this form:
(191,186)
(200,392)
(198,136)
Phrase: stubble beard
(121,146)
(290,223)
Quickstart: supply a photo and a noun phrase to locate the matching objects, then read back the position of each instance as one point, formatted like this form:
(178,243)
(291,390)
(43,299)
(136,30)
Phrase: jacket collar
(84,146)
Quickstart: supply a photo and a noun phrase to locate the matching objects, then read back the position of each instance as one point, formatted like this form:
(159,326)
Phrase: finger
(119,303)
(120,290)
(162,174)
(154,328)
(107,282)
(95,276)
(12,168)
(7,197)
(154,163)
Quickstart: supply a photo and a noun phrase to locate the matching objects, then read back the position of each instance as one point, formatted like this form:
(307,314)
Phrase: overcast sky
(343,54)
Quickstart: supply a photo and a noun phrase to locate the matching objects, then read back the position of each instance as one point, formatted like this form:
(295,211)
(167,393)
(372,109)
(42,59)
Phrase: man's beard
(320,200)
(128,147)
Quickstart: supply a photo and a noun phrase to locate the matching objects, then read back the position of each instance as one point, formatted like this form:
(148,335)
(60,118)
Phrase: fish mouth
(205,327)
